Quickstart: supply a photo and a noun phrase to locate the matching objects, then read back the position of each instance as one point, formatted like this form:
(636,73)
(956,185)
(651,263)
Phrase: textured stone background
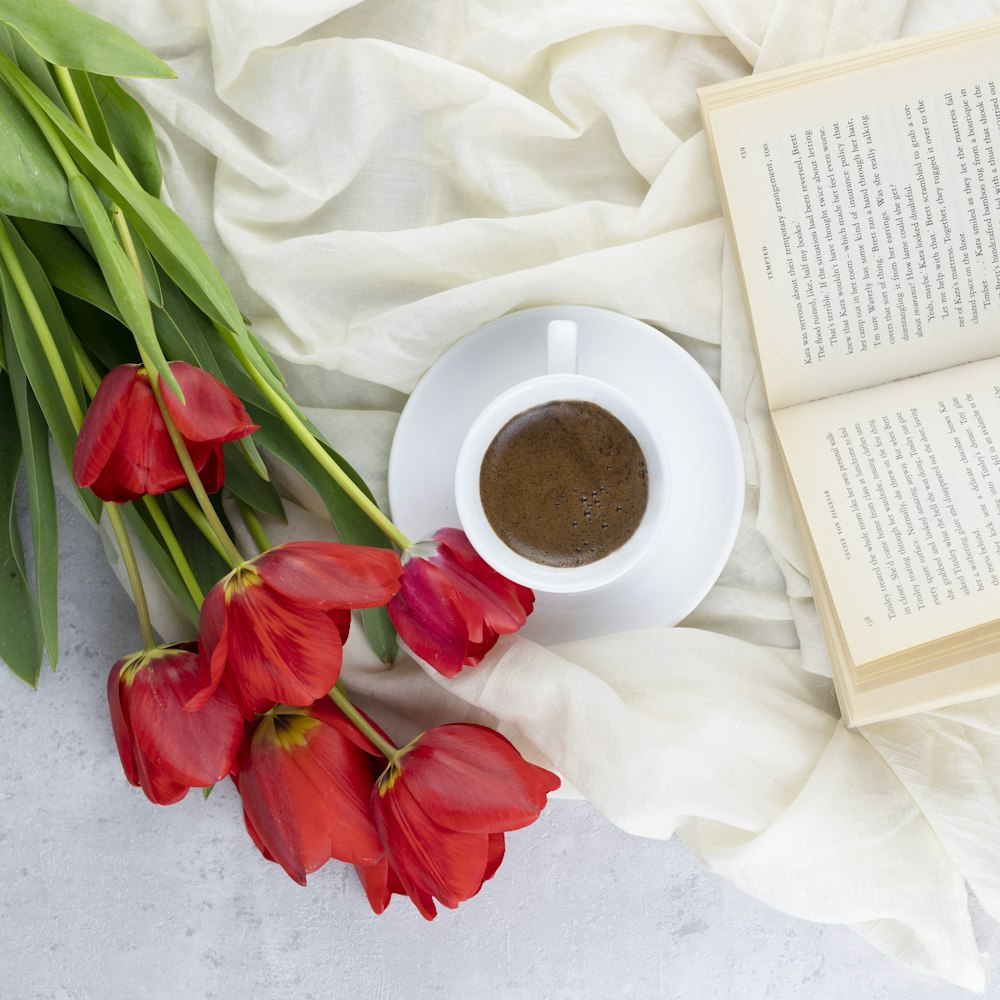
(104,896)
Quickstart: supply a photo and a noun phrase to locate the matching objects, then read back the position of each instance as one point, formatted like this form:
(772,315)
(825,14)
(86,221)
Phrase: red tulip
(276,624)
(164,748)
(124,451)
(305,776)
(451,606)
(441,811)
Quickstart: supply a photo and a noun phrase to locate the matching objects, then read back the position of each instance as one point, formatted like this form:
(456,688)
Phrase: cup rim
(523,396)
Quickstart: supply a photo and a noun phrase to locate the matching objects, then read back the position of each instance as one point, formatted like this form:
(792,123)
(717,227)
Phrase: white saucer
(706,466)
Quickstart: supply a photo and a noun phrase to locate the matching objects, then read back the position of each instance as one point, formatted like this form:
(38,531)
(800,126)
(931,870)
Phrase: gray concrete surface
(104,896)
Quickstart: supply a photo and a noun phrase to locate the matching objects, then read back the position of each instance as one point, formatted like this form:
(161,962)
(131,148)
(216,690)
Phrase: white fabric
(377,179)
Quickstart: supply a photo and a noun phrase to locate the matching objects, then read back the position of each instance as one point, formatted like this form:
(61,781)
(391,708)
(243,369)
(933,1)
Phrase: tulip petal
(496,849)
(330,574)
(452,606)
(211,645)
(382,881)
(472,779)
(340,774)
(288,819)
(195,749)
(119,723)
(328,713)
(213,472)
(374,880)
(431,628)
(103,424)
(144,460)
(486,605)
(430,859)
(255,836)
(457,543)
(306,790)
(277,650)
(210,411)
(158,787)
(341,617)
(139,770)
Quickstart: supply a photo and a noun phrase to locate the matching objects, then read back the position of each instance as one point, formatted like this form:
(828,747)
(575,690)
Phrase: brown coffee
(564,483)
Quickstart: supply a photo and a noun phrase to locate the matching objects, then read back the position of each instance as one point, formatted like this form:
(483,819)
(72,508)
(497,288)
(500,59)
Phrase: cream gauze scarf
(378,179)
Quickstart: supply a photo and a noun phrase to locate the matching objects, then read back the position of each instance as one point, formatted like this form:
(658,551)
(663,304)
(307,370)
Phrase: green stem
(296,425)
(125,238)
(256,529)
(68,90)
(198,519)
(339,697)
(88,373)
(132,569)
(174,548)
(72,98)
(41,327)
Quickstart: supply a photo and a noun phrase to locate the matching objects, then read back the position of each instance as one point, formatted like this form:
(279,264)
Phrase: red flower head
(451,606)
(441,812)
(305,776)
(124,451)
(164,748)
(276,624)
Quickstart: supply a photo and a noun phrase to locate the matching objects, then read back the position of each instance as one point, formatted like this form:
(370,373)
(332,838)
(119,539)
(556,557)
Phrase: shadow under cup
(475,523)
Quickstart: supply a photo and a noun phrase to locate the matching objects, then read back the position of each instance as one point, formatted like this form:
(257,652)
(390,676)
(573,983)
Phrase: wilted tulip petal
(441,812)
(452,606)
(306,790)
(165,749)
(124,452)
(275,626)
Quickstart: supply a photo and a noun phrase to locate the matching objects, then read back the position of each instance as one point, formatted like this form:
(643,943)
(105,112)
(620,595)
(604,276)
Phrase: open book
(862,195)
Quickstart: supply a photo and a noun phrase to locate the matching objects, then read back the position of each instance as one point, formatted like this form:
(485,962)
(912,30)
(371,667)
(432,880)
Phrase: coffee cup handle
(561,347)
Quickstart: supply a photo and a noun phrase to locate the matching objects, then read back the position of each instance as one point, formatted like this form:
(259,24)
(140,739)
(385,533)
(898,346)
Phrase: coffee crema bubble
(564,483)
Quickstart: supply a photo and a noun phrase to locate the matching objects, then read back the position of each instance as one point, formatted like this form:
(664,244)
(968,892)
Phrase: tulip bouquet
(121,343)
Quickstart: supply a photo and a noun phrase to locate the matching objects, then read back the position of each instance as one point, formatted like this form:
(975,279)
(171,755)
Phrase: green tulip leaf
(172,244)
(131,132)
(83,84)
(20,627)
(140,521)
(25,339)
(245,482)
(263,355)
(206,564)
(42,504)
(67,36)
(254,458)
(32,183)
(123,282)
(103,337)
(34,66)
(68,266)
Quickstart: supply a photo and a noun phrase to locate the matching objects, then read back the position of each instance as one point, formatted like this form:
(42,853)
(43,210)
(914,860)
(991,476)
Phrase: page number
(743,152)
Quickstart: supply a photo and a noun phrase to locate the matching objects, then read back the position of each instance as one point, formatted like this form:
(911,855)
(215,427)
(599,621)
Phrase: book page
(865,209)
(900,489)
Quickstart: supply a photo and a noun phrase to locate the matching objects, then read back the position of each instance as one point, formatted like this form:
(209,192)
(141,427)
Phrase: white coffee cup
(560,383)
